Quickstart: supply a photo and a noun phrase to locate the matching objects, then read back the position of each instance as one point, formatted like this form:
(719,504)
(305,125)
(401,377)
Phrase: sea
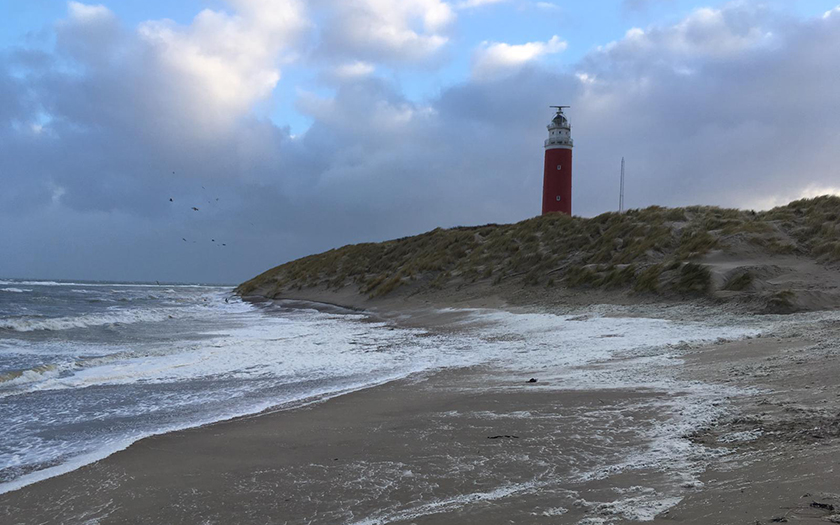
(88,368)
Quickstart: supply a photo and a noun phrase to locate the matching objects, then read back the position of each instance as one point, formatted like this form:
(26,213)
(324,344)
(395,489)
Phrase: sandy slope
(812,285)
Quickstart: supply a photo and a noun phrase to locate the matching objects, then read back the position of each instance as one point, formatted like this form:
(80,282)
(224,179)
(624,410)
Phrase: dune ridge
(777,261)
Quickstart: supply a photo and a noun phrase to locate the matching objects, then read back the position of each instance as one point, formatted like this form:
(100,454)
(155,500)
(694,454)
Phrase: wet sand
(481,446)
(413,451)
(781,443)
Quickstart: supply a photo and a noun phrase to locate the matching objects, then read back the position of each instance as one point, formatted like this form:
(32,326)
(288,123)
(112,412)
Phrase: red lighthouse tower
(557,174)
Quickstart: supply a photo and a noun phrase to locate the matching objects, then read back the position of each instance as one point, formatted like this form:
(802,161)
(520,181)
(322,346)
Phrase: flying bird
(194,208)
(183,239)
(170,199)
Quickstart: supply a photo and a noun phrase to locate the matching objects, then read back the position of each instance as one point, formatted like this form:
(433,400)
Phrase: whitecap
(31,324)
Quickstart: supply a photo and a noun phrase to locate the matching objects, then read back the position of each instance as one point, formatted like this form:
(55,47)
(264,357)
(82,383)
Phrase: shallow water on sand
(88,368)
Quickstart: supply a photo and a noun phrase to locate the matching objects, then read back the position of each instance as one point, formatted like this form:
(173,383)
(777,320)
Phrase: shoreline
(386,432)
(255,439)
(80,462)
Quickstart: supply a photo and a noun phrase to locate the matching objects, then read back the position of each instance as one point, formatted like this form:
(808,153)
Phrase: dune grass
(650,250)
(739,283)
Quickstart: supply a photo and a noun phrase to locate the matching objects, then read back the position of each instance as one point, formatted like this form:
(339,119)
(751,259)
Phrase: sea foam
(233,359)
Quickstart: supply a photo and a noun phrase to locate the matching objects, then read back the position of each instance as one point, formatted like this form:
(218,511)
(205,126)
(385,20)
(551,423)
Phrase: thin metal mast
(621,189)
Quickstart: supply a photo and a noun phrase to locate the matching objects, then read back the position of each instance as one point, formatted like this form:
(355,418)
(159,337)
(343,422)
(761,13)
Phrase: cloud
(89,13)
(351,70)
(471,4)
(494,59)
(232,60)
(705,33)
(704,109)
(88,32)
(641,5)
(734,107)
(391,31)
(117,121)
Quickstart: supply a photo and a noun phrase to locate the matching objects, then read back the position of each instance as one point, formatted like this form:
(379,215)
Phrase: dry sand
(422,451)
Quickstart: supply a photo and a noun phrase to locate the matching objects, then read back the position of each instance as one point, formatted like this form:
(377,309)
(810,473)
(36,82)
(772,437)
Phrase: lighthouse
(557,174)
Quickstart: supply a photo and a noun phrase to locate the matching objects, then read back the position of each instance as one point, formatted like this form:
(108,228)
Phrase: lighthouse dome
(559,121)
(559,132)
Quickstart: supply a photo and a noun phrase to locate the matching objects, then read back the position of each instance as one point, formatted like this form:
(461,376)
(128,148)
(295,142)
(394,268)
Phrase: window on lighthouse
(558,167)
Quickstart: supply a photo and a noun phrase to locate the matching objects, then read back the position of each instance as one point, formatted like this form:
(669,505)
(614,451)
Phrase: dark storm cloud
(733,107)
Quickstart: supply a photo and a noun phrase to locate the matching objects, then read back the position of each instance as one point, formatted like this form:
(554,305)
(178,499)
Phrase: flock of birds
(195,208)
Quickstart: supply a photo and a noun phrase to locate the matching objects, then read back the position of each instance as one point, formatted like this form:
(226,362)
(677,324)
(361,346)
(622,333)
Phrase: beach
(732,420)
(419,262)
(410,451)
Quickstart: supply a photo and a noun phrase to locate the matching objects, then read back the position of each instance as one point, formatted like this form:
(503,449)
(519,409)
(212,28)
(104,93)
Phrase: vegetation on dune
(693,279)
(815,225)
(650,250)
(781,302)
(739,283)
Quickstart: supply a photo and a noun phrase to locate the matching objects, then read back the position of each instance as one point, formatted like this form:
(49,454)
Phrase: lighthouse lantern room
(557,174)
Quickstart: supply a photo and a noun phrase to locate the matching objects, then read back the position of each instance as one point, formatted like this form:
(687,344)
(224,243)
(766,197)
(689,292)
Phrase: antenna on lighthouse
(621,189)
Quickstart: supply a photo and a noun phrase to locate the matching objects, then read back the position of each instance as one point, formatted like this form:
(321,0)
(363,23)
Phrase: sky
(299,126)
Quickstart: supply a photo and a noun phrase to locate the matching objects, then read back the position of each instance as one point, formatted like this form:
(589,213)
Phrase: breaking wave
(31,324)
(32,375)
(14,290)
(102,284)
